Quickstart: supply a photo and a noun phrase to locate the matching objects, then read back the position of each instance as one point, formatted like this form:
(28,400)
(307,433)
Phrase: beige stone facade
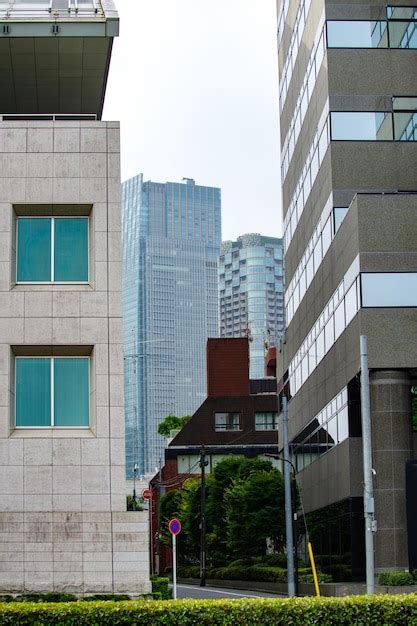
(63,519)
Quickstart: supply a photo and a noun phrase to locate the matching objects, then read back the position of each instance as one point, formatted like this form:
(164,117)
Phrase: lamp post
(294,514)
(135,473)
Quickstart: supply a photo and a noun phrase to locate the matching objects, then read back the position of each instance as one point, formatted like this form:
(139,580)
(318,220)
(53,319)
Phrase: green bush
(392,610)
(107,597)
(322,578)
(45,597)
(393,579)
(160,588)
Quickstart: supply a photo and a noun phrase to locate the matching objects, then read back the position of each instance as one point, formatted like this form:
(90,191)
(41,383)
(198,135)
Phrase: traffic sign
(147,494)
(174,526)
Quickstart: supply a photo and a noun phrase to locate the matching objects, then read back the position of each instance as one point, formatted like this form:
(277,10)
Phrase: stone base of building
(80,553)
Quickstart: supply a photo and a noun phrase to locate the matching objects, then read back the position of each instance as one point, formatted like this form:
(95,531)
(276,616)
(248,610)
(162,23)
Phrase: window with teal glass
(71,250)
(71,392)
(33,250)
(33,392)
(52,249)
(52,392)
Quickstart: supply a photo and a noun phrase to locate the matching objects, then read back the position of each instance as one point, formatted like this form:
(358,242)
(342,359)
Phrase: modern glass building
(348,111)
(172,236)
(251,294)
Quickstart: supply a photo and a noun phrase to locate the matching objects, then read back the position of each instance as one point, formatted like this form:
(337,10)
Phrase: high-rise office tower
(171,245)
(348,112)
(251,294)
(62,480)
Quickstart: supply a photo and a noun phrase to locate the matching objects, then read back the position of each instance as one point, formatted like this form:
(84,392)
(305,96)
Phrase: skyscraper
(348,108)
(172,235)
(251,294)
(62,478)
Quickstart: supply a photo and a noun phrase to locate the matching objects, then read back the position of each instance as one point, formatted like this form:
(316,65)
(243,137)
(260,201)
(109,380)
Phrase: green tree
(225,472)
(254,510)
(172,422)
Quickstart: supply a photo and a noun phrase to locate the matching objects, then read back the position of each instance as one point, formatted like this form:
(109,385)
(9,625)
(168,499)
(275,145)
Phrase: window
(52,391)
(355,34)
(266,421)
(361,126)
(226,421)
(386,289)
(52,249)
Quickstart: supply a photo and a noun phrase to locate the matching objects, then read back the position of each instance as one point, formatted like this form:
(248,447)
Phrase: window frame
(275,422)
(52,393)
(227,430)
(52,219)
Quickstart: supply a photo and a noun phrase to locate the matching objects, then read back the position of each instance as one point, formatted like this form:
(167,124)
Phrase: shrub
(395,610)
(393,579)
(322,578)
(45,597)
(106,597)
(160,588)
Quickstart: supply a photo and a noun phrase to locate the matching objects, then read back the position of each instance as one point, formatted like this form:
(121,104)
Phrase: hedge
(393,579)
(258,573)
(364,610)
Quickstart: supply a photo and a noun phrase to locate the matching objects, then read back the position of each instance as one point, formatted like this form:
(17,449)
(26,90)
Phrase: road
(214,593)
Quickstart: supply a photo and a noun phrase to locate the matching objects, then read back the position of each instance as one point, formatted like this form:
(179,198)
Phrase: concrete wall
(63,520)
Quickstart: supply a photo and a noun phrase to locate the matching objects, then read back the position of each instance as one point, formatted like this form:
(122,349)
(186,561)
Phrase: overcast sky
(194,83)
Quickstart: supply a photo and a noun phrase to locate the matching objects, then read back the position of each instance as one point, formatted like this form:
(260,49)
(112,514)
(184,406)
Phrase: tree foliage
(244,508)
(172,422)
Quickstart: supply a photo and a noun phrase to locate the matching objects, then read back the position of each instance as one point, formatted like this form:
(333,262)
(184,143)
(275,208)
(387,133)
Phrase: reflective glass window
(71,392)
(33,392)
(52,249)
(361,126)
(33,249)
(351,304)
(396,289)
(329,334)
(52,392)
(339,215)
(71,250)
(343,424)
(355,34)
(339,320)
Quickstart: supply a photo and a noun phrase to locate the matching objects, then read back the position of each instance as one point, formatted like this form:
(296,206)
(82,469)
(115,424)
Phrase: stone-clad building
(63,519)
(348,111)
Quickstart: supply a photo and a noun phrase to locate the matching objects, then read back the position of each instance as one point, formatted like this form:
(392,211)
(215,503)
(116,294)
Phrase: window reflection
(356,34)
(389,289)
(328,428)
(361,125)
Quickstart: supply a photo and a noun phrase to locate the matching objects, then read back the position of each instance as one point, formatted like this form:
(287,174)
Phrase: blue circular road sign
(174,526)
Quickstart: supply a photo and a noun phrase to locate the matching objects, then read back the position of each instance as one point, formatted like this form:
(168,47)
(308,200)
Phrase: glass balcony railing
(24,9)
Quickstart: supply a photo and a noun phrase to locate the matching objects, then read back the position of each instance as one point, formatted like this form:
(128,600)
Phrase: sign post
(174,527)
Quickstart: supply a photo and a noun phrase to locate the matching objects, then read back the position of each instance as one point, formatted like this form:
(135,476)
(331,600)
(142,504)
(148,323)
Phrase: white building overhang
(55,55)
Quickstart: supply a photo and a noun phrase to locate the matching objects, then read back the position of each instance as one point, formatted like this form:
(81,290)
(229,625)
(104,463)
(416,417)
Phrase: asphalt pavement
(214,593)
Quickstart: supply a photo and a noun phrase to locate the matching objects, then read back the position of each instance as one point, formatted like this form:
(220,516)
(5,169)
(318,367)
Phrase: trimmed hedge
(393,579)
(257,573)
(364,610)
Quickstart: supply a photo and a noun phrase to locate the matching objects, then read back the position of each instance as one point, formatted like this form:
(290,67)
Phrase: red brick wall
(228,367)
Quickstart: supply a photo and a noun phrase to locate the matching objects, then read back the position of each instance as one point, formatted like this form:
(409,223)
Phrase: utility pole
(368,487)
(288,507)
(203,464)
(295,526)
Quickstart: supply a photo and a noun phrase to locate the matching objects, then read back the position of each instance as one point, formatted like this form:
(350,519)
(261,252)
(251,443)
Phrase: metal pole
(368,488)
(288,507)
(174,566)
(295,528)
(203,464)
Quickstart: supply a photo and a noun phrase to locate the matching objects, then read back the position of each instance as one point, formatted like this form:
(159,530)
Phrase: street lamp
(294,513)
(135,473)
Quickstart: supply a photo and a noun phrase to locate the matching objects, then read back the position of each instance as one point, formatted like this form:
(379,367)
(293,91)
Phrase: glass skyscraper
(251,294)
(171,245)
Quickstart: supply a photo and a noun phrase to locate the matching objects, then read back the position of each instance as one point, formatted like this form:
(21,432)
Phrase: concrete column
(392,447)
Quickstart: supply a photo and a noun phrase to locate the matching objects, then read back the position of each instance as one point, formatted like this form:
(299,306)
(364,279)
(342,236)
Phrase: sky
(194,84)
